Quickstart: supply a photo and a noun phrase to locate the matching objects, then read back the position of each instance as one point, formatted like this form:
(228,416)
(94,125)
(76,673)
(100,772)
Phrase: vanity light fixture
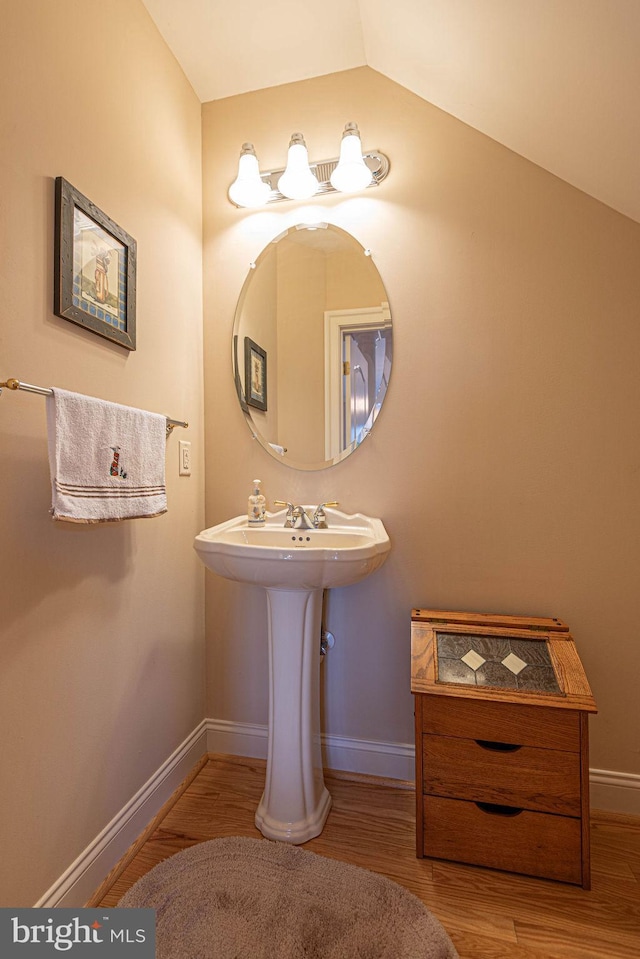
(300,180)
(248,189)
(351,173)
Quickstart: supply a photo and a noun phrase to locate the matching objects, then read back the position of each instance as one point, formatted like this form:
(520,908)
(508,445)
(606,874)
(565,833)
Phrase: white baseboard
(236,739)
(609,791)
(374,758)
(83,876)
(614,792)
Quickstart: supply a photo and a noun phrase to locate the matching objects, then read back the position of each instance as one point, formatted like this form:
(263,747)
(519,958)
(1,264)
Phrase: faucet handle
(290,508)
(319,517)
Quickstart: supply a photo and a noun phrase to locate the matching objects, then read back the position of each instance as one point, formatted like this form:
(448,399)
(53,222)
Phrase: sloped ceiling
(557,81)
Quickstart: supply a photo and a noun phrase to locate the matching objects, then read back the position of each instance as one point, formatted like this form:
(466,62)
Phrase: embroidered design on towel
(116,469)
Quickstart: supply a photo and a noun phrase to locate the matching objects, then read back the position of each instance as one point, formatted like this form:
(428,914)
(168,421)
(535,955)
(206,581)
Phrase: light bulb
(351,173)
(298,182)
(248,189)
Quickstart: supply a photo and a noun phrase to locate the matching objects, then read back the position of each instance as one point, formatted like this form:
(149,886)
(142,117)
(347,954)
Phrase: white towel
(107,461)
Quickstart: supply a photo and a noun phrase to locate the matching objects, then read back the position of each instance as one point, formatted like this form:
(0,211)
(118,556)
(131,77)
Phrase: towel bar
(13,384)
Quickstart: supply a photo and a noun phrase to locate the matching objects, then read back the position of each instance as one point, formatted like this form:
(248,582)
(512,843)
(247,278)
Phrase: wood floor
(489,915)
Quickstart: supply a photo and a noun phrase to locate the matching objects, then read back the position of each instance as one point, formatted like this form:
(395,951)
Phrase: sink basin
(294,566)
(352,547)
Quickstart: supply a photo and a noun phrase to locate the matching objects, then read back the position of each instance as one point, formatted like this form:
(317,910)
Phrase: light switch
(184,452)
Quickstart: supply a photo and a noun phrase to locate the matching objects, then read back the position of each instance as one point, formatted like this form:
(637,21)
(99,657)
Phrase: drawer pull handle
(498,747)
(494,809)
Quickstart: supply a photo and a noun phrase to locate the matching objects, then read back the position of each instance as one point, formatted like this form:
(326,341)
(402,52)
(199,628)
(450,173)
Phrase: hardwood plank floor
(489,915)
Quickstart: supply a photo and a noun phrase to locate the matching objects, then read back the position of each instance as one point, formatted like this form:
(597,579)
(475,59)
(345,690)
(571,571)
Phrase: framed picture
(255,374)
(94,268)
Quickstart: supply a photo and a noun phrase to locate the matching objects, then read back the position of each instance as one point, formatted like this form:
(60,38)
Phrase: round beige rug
(243,898)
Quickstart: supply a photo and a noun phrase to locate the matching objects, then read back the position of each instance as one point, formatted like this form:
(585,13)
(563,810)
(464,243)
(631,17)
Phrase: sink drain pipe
(327,639)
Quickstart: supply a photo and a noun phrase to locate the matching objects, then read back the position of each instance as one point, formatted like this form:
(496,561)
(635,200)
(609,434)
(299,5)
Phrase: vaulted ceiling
(557,81)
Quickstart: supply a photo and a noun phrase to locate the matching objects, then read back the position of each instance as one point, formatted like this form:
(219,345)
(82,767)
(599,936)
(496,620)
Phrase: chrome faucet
(298,518)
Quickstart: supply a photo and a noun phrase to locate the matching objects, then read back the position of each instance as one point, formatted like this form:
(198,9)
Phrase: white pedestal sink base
(294,566)
(294,832)
(295,802)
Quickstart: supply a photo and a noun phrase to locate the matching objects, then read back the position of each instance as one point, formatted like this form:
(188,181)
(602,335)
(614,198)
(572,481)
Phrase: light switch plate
(184,453)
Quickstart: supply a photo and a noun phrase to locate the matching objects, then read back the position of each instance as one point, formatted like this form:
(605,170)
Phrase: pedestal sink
(294,566)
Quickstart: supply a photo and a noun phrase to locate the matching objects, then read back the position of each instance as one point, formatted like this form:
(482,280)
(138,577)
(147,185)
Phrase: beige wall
(101,649)
(353,282)
(302,281)
(505,461)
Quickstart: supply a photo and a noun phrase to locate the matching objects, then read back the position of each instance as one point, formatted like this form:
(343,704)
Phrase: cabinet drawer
(546,780)
(533,843)
(524,725)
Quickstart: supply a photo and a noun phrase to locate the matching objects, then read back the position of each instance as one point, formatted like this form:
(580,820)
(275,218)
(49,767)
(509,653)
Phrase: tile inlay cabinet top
(502,743)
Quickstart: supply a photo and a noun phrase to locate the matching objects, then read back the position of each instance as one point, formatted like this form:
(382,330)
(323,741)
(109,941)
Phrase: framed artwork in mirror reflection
(94,268)
(255,374)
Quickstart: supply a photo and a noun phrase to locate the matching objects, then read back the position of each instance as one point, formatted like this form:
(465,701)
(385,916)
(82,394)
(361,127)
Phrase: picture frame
(255,374)
(94,268)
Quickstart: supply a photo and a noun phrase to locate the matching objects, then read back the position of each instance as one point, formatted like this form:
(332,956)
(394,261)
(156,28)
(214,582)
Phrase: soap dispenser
(256,506)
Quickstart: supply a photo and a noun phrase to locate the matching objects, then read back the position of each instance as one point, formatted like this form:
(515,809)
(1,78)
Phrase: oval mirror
(312,346)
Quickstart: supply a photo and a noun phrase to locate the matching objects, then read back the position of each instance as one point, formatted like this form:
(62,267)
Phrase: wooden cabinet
(502,757)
